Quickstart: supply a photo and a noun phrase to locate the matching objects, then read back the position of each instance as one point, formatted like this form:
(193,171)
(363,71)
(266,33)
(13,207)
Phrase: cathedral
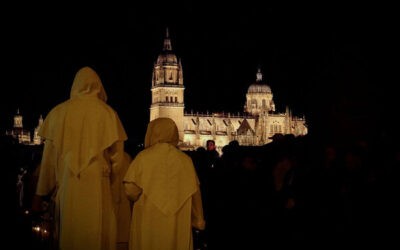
(23,135)
(256,126)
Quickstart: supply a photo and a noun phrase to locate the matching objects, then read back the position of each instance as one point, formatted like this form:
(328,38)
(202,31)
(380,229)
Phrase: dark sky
(330,63)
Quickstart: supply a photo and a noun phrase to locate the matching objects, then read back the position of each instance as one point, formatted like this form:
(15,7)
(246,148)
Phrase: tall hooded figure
(163,184)
(84,145)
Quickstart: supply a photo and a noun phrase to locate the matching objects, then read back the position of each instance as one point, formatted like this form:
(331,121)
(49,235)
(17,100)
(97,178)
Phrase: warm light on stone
(255,126)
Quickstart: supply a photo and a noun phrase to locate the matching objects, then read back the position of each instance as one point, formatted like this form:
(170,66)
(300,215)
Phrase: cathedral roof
(244,128)
(167,55)
(259,88)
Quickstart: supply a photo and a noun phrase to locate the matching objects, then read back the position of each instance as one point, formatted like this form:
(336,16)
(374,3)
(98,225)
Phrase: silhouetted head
(210,145)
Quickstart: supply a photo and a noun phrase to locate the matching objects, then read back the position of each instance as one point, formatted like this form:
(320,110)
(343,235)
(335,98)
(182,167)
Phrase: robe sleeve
(47,176)
(119,161)
(197,211)
(117,154)
(132,190)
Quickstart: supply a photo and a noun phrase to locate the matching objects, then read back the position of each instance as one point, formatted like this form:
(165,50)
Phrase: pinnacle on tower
(259,75)
(167,41)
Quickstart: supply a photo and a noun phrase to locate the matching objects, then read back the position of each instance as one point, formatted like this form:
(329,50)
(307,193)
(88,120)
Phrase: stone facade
(255,126)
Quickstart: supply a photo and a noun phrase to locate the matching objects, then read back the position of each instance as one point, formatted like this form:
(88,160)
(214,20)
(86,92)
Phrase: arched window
(176,99)
(254,103)
(166,98)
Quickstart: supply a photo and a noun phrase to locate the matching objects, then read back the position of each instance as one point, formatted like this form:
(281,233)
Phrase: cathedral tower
(18,132)
(18,120)
(167,90)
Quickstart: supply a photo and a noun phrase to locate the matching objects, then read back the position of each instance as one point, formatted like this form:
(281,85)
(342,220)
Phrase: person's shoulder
(145,153)
(110,109)
(57,109)
(184,155)
(61,105)
(106,108)
(101,104)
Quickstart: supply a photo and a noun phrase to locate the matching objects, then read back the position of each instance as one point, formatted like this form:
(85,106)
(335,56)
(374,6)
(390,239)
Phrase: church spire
(167,41)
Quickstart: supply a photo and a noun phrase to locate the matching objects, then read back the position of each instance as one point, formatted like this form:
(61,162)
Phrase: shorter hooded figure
(163,184)
(84,146)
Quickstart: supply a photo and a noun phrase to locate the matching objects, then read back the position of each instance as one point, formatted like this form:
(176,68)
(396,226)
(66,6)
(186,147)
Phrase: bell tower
(167,90)
(18,120)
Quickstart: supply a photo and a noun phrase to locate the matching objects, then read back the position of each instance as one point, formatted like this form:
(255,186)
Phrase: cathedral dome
(259,88)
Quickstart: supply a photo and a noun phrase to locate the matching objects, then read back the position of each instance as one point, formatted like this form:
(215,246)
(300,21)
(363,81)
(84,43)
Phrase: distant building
(37,139)
(255,126)
(23,135)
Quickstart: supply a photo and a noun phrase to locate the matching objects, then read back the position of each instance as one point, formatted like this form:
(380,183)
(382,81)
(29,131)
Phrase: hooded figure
(84,145)
(164,186)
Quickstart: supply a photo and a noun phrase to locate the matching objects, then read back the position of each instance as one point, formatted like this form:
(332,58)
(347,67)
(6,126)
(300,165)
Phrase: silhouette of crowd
(303,190)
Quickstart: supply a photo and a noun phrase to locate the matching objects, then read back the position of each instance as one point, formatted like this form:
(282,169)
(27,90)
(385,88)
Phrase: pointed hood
(161,130)
(83,126)
(87,83)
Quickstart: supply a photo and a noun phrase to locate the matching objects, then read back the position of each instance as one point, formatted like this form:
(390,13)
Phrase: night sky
(330,64)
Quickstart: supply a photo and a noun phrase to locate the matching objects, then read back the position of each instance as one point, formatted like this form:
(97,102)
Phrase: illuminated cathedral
(256,126)
(23,135)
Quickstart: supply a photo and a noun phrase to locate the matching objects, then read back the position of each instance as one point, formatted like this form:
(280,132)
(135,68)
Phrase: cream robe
(122,204)
(83,146)
(163,183)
